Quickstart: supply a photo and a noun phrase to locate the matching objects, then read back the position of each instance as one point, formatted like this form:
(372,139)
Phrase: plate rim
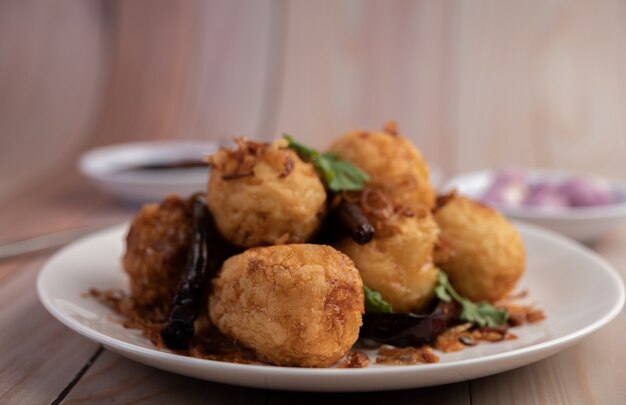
(296,372)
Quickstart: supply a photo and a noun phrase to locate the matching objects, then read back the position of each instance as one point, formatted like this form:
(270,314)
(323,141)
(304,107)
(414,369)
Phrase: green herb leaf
(374,302)
(304,151)
(442,294)
(347,176)
(482,313)
(338,174)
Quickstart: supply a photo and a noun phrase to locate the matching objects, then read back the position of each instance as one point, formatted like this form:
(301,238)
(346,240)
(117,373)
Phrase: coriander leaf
(374,302)
(347,177)
(485,313)
(482,313)
(442,294)
(338,174)
(332,155)
(302,150)
(326,168)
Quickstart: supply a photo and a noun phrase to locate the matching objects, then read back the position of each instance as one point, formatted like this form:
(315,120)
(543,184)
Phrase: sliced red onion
(586,192)
(510,187)
(548,196)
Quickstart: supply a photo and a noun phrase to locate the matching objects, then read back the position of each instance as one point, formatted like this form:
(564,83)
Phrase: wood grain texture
(59,201)
(474,84)
(405,72)
(321,75)
(539,84)
(114,379)
(453,394)
(53,65)
(191,70)
(371,63)
(40,356)
(592,372)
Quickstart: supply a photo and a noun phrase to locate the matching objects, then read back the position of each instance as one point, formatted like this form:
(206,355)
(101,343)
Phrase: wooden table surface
(44,362)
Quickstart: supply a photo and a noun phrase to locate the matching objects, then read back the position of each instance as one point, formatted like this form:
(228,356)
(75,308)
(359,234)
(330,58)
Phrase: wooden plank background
(474,84)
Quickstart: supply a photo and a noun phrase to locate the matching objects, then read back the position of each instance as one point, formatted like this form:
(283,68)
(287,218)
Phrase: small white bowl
(584,224)
(110,169)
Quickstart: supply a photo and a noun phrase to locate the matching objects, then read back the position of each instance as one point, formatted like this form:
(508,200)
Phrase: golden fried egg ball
(398,261)
(481,252)
(156,252)
(393,164)
(294,305)
(262,194)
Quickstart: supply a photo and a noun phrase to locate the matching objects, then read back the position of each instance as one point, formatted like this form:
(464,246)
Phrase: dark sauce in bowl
(161,166)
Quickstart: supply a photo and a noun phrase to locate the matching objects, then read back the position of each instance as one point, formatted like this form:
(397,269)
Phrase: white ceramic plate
(581,223)
(579,291)
(107,168)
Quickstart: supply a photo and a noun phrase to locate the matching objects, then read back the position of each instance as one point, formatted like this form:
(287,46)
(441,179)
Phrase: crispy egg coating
(398,262)
(156,251)
(481,251)
(295,305)
(261,194)
(394,165)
